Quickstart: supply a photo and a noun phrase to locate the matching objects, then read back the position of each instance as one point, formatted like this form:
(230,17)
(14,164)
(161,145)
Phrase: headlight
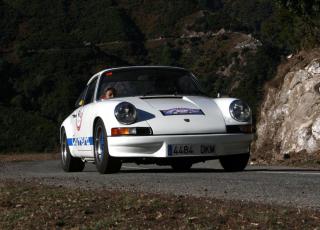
(240,111)
(125,113)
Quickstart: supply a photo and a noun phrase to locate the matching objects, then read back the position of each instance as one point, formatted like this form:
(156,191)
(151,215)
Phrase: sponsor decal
(181,111)
(80,141)
(79,118)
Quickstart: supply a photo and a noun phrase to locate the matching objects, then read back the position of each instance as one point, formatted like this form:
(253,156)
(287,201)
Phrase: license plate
(191,149)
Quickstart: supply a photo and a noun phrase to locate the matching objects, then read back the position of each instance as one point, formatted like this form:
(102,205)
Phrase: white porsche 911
(152,114)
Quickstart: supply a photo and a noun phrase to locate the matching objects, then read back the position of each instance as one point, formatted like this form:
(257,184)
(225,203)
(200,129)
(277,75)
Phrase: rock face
(289,122)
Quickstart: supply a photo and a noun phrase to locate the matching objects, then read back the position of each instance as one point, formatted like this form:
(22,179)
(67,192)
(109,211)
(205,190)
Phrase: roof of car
(135,67)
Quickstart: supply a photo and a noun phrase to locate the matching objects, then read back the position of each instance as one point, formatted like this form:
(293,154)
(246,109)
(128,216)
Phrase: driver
(108,92)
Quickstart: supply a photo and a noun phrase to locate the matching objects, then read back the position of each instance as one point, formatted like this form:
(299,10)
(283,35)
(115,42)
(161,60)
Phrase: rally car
(153,114)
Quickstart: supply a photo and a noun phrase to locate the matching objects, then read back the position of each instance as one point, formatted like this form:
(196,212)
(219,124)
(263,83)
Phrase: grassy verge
(34,206)
(16,157)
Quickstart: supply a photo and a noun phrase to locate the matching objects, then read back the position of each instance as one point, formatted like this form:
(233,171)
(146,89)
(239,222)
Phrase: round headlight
(125,113)
(240,111)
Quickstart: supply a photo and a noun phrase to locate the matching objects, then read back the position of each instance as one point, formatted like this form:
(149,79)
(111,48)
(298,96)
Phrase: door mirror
(81,103)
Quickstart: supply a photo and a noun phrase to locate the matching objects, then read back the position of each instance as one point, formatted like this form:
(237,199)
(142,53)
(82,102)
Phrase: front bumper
(157,146)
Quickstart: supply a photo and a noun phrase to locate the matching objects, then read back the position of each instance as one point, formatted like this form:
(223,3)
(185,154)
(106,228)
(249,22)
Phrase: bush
(260,68)
(9,21)
(26,131)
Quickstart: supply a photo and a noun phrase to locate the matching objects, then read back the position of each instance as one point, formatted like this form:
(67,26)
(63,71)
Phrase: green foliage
(308,12)
(52,86)
(26,131)
(247,15)
(96,25)
(284,31)
(9,19)
(49,51)
(68,24)
(289,28)
(169,56)
(7,72)
(260,68)
(170,12)
(214,84)
(44,93)
(159,18)
(308,8)
(212,5)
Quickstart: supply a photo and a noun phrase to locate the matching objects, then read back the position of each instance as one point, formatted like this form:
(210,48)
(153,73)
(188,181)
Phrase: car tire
(68,162)
(180,166)
(234,163)
(104,162)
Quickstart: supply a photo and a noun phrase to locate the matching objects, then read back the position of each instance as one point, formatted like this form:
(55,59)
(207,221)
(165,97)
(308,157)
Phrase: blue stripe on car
(80,141)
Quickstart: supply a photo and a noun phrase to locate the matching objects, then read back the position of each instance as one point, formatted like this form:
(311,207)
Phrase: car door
(75,121)
(83,121)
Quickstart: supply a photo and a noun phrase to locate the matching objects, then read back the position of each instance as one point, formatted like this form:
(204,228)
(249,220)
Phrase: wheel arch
(62,128)
(95,122)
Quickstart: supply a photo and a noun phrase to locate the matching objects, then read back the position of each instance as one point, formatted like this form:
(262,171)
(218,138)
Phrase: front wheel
(104,162)
(234,163)
(68,162)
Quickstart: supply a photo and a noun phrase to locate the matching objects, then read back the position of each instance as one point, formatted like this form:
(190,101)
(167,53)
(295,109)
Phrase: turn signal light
(120,131)
(138,131)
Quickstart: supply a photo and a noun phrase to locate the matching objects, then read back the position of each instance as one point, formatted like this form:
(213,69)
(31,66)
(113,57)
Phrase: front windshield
(148,82)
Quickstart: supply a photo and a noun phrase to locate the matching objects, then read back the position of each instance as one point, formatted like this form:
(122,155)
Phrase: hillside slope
(48,52)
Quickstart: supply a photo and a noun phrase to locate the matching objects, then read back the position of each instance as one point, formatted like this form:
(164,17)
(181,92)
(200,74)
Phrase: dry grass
(34,206)
(16,157)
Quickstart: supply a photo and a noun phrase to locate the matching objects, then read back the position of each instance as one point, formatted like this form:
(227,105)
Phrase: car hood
(179,115)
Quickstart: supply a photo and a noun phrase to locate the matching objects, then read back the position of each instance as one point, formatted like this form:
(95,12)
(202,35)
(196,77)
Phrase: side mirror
(81,102)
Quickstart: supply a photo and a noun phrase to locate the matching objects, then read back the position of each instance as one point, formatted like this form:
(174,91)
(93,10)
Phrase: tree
(309,11)
(307,8)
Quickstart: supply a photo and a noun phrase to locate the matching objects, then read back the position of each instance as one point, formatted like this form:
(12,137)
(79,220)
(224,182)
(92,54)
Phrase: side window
(90,92)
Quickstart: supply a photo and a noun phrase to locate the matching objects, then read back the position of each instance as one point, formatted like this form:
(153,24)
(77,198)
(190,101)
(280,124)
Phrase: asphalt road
(272,185)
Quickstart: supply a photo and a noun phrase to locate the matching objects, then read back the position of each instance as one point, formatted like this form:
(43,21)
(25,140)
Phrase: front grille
(144,131)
